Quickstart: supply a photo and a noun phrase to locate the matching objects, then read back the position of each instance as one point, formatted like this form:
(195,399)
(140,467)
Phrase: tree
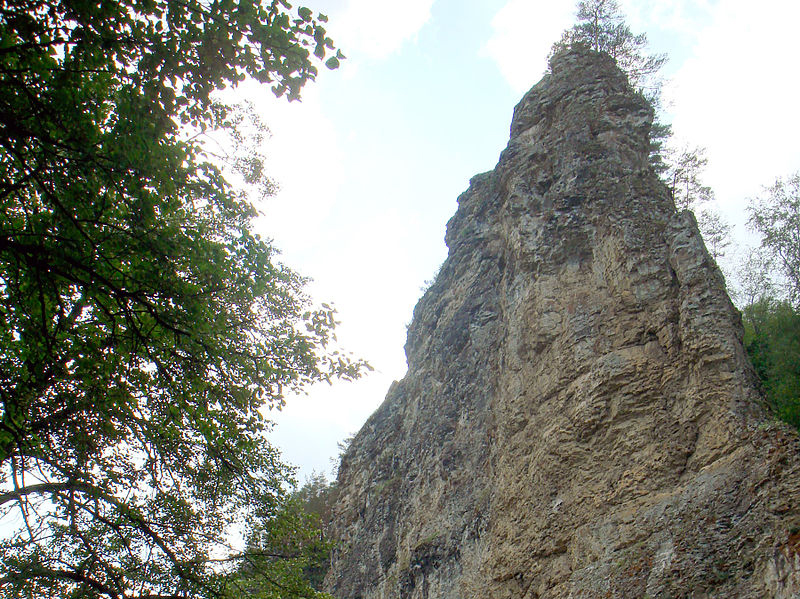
(144,324)
(770,315)
(772,339)
(317,496)
(683,174)
(754,278)
(315,500)
(601,26)
(659,135)
(716,232)
(293,544)
(776,216)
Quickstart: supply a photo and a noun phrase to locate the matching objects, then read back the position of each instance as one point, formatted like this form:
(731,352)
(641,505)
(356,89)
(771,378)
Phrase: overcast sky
(371,162)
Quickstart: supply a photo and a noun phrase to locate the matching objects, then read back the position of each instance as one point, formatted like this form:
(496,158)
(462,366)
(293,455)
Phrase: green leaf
(145,326)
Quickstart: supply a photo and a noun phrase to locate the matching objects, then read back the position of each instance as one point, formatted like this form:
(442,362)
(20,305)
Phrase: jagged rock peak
(579,417)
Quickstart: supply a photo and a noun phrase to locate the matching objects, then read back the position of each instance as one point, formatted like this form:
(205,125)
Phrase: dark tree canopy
(772,339)
(144,324)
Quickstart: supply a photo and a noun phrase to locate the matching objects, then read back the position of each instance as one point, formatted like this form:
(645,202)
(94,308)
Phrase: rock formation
(579,417)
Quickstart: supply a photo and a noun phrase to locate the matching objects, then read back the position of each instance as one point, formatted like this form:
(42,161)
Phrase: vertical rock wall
(579,418)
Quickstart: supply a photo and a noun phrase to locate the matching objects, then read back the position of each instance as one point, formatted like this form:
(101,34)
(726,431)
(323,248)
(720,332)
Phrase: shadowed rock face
(579,418)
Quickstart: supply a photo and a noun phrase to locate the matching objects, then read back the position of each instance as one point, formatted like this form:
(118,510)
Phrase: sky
(371,162)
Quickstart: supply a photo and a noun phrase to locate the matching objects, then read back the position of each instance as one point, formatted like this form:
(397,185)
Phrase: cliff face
(579,418)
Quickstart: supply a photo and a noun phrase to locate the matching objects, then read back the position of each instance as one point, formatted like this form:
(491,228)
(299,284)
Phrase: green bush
(772,339)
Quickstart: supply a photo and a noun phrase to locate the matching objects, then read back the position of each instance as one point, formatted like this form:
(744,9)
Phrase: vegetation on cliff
(771,290)
(772,339)
(579,416)
(600,25)
(143,324)
(772,320)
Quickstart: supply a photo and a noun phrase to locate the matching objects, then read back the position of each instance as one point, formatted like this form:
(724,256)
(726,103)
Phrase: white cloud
(523,33)
(373,297)
(374,29)
(362,266)
(683,16)
(737,96)
(303,157)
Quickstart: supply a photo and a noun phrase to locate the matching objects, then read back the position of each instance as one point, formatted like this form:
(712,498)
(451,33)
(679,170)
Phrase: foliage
(772,339)
(776,216)
(144,324)
(716,232)
(287,555)
(770,288)
(317,496)
(342,446)
(316,499)
(293,540)
(754,278)
(660,133)
(601,26)
(682,175)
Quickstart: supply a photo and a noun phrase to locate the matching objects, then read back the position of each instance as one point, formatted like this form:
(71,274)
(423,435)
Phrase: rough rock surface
(579,418)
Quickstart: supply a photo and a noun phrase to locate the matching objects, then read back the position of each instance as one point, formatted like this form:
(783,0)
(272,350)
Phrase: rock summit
(579,417)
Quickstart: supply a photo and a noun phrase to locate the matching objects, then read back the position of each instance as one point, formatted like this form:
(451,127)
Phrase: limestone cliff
(579,417)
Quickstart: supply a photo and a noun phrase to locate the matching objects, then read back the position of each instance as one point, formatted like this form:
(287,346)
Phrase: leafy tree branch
(143,324)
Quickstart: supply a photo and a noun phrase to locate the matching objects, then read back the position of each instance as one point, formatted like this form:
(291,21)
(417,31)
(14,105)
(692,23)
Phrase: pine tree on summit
(601,26)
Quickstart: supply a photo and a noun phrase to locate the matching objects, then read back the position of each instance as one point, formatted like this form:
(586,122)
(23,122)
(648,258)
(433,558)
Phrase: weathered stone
(579,417)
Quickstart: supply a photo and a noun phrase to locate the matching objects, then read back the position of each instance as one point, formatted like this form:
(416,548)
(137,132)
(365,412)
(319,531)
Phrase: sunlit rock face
(579,418)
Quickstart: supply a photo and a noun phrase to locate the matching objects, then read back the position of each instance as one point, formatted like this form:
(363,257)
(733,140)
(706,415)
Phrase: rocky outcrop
(579,417)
